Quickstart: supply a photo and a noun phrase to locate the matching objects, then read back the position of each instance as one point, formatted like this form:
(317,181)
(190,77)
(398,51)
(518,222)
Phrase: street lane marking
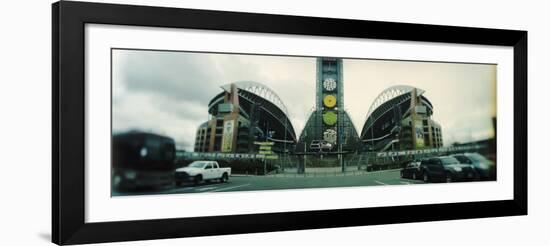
(384,171)
(207,188)
(382,183)
(177,190)
(182,189)
(229,188)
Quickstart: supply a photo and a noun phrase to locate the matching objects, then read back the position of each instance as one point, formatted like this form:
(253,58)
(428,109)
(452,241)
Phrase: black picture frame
(68,118)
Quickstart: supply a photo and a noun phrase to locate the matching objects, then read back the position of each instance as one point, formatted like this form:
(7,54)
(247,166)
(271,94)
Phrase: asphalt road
(252,183)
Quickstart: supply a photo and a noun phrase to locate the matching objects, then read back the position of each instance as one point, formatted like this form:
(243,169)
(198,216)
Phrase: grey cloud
(158,92)
(171,74)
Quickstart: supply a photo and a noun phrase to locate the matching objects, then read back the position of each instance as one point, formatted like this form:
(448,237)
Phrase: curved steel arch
(391,93)
(260,90)
(274,110)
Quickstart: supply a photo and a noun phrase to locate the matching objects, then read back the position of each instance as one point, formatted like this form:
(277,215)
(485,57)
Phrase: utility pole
(305,154)
(284,153)
(340,130)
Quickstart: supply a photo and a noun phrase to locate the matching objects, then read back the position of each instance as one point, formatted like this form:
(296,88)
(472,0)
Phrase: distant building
(243,113)
(400,118)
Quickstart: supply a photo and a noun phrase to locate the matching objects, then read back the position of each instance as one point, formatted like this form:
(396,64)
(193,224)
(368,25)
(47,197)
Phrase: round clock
(330,136)
(330,118)
(329,84)
(329,101)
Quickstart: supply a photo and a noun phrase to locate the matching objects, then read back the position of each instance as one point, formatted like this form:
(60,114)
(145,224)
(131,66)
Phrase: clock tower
(329,121)
(330,100)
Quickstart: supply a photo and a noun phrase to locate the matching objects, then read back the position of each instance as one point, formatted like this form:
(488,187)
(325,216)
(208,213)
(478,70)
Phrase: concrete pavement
(287,181)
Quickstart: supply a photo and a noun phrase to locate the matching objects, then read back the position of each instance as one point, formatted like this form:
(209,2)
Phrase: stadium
(400,118)
(247,112)
(244,113)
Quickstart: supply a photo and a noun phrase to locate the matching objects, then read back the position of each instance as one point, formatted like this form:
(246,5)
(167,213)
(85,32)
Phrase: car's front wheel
(448,178)
(224,178)
(197,180)
(117,182)
(425,177)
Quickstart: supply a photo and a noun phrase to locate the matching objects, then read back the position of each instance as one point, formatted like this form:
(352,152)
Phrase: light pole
(305,153)
(284,153)
(371,134)
(340,131)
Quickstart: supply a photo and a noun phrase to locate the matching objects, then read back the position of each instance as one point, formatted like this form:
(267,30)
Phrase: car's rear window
(462,158)
(477,157)
(449,160)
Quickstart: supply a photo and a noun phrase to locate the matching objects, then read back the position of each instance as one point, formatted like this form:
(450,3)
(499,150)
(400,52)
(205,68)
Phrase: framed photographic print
(175,122)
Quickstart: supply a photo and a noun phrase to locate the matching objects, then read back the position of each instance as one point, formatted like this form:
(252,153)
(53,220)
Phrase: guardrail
(216,156)
(429,151)
(367,161)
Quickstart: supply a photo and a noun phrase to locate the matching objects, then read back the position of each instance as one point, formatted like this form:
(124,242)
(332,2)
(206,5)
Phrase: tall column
(414,117)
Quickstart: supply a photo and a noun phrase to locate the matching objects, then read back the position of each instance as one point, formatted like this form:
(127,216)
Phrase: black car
(485,168)
(447,169)
(412,170)
(141,159)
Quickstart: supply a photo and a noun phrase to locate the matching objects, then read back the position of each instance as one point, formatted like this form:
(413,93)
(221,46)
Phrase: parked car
(411,170)
(446,168)
(320,145)
(199,171)
(485,168)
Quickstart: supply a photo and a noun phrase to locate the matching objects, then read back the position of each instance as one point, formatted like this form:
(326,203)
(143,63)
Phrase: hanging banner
(419,134)
(227,138)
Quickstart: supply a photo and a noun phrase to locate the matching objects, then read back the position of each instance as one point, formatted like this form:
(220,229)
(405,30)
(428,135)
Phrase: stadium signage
(428,151)
(265,149)
(217,155)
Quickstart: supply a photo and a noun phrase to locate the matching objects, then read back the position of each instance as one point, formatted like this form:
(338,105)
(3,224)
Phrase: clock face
(330,136)
(329,101)
(329,84)
(330,118)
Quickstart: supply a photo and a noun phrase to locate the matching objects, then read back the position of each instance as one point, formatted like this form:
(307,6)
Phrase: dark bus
(142,160)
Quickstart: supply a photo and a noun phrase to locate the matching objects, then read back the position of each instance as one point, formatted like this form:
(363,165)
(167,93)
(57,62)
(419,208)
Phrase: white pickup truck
(198,171)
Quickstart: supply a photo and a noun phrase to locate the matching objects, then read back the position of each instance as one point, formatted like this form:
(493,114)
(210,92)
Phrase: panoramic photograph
(195,122)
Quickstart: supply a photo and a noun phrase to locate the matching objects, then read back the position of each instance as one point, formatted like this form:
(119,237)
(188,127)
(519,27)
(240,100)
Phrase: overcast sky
(168,92)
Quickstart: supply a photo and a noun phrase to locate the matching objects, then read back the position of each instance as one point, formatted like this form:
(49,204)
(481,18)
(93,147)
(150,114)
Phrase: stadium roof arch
(387,99)
(391,93)
(259,89)
(255,93)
